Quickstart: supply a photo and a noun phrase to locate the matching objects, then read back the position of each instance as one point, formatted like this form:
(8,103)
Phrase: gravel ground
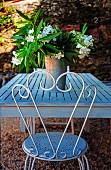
(13,157)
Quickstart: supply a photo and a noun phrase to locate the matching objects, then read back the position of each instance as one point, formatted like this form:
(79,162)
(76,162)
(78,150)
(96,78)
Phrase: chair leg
(72,125)
(33,163)
(26,162)
(86,160)
(81,166)
(30,163)
(83,162)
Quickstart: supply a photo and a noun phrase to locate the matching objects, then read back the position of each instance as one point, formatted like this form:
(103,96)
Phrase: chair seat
(45,152)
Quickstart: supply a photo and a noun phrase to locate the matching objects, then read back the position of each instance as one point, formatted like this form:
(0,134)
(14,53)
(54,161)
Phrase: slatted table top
(102,104)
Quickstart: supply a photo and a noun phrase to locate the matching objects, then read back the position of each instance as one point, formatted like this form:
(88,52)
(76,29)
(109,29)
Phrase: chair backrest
(86,92)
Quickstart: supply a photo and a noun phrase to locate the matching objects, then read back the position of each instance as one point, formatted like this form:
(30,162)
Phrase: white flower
(54,39)
(84,51)
(16,61)
(39,36)
(31,31)
(87,43)
(78,46)
(59,55)
(81,56)
(46,41)
(30,38)
(73,31)
(88,40)
(48,30)
(22,43)
(14,53)
(79,37)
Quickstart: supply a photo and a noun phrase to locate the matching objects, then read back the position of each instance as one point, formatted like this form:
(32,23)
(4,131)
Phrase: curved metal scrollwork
(90,91)
(55,82)
(25,96)
(86,92)
(43,72)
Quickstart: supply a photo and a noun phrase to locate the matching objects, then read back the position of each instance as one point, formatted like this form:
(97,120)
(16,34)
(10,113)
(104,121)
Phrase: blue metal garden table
(63,102)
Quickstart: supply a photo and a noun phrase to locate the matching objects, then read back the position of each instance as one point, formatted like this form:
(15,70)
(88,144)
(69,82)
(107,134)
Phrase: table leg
(22,126)
(38,122)
(31,124)
(87,126)
(72,125)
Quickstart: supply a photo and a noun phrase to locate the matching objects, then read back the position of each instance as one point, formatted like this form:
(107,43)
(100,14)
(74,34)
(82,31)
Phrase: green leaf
(19,26)
(71,53)
(39,27)
(74,62)
(43,62)
(35,46)
(13,65)
(52,47)
(21,66)
(84,28)
(40,12)
(39,59)
(22,15)
(61,37)
(42,51)
(24,51)
(57,28)
(21,30)
(51,36)
(67,58)
(62,62)
(26,63)
(48,53)
(29,49)
(27,67)
(40,46)
(17,37)
(35,65)
(47,19)
(67,36)
(22,22)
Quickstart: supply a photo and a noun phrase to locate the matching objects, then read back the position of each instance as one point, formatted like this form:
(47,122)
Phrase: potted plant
(39,42)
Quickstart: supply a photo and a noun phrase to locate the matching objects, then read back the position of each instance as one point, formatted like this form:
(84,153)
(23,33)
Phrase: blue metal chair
(54,146)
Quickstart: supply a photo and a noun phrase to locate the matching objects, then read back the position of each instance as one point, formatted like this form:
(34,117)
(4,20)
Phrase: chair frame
(55,84)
